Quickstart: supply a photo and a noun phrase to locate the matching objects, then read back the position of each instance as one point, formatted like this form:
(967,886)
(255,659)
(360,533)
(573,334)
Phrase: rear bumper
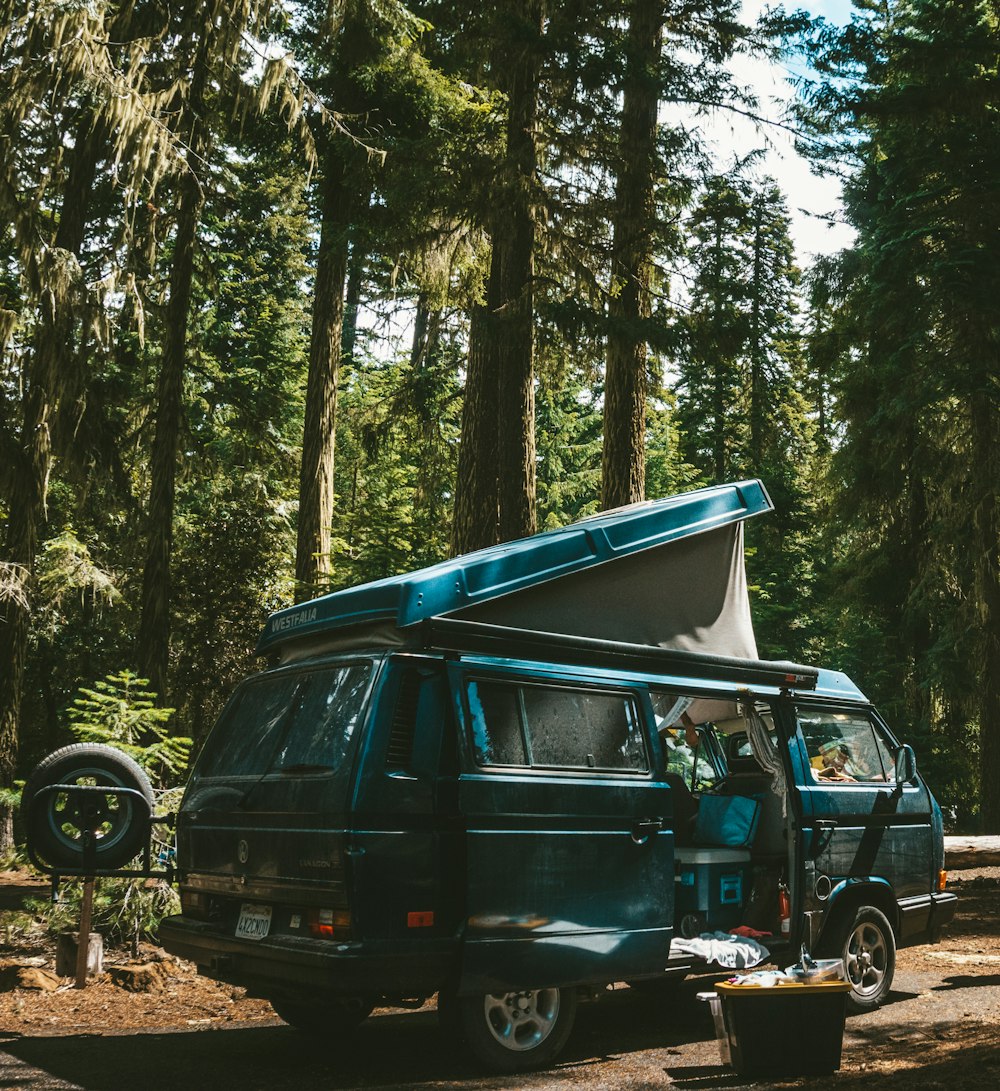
(921,919)
(293,965)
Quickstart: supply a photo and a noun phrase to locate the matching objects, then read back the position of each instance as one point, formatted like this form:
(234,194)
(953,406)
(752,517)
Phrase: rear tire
(866,943)
(324,1017)
(514,1031)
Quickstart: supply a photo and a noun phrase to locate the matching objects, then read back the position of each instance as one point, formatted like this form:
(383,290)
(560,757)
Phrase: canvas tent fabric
(665,573)
(690,595)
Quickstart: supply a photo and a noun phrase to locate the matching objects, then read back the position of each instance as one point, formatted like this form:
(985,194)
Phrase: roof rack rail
(452,634)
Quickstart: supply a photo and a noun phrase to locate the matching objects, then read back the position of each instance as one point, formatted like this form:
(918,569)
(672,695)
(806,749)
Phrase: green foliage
(744,401)
(905,107)
(858,413)
(667,472)
(397,440)
(11,797)
(569,451)
(121,711)
(67,571)
(739,401)
(125,911)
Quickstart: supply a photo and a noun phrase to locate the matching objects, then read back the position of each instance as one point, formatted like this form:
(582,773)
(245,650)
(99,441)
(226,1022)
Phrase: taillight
(330,923)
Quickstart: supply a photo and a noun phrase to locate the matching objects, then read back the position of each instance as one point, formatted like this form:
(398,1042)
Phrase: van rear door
(570,864)
(262,827)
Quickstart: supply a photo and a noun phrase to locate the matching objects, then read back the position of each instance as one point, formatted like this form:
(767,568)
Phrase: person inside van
(833,762)
(690,731)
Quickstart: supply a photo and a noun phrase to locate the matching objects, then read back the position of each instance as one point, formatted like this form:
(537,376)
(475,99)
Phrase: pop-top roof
(580,575)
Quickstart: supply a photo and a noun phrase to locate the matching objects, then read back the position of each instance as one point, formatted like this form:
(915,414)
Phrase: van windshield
(289,723)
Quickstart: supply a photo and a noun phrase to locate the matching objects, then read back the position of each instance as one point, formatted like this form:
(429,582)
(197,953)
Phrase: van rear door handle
(644,828)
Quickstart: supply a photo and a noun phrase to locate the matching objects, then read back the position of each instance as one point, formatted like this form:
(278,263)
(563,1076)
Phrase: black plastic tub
(784,1030)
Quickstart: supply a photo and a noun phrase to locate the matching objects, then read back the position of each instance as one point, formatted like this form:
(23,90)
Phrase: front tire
(866,943)
(513,1031)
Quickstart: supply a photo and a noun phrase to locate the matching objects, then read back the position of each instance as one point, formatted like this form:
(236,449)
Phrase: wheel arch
(849,895)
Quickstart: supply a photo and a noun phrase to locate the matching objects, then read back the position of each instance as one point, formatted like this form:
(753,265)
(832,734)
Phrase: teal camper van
(516,776)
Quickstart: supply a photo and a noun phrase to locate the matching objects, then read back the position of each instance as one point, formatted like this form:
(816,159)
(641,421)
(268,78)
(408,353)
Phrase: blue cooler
(711,886)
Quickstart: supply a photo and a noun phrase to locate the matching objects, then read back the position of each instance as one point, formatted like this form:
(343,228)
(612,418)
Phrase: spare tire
(57,820)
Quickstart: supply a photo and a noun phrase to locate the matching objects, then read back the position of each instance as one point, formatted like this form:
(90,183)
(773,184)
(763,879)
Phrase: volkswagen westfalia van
(522,774)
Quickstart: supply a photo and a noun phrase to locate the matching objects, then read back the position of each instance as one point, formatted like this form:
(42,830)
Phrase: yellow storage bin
(786,1029)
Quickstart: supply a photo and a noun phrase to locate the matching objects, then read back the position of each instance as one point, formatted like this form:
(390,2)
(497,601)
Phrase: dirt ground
(941,1027)
(170,994)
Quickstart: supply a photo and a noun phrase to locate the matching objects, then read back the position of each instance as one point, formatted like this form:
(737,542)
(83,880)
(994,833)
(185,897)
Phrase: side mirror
(906,765)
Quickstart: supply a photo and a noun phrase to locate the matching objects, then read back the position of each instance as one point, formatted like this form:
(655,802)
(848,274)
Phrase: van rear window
(289,723)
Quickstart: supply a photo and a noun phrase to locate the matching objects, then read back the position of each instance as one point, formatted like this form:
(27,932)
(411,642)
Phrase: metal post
(83,935)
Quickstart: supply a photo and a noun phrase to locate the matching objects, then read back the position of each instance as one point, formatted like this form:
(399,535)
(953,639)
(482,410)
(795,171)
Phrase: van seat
(770,839)
(745,766)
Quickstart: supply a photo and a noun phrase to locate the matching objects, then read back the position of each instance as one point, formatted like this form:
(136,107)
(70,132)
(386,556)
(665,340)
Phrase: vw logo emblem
(243,851)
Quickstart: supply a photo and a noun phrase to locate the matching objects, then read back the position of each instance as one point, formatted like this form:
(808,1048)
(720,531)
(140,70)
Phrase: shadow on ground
(393,1052)
(388,1051)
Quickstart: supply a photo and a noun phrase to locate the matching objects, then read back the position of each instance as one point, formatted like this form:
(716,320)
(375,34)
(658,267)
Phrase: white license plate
(254,922)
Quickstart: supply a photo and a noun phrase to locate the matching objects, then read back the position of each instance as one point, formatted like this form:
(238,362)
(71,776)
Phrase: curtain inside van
(690,594)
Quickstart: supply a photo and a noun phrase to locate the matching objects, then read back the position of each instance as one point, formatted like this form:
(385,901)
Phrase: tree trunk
(758,394)
(476,521)
(425,353)
(514,353)
(154,624)
(426,334)
(718,366)
(54,341)
(513,252)
(352,304)
(915,626)
(986,550)
(495,487)
(623,464)
(312,554)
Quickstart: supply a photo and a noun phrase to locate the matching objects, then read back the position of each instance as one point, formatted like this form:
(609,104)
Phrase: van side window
(555,727)
(402,733)
(845,748)
(496,724)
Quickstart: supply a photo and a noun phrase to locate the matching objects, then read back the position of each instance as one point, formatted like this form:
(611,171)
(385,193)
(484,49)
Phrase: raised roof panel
(488,576)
